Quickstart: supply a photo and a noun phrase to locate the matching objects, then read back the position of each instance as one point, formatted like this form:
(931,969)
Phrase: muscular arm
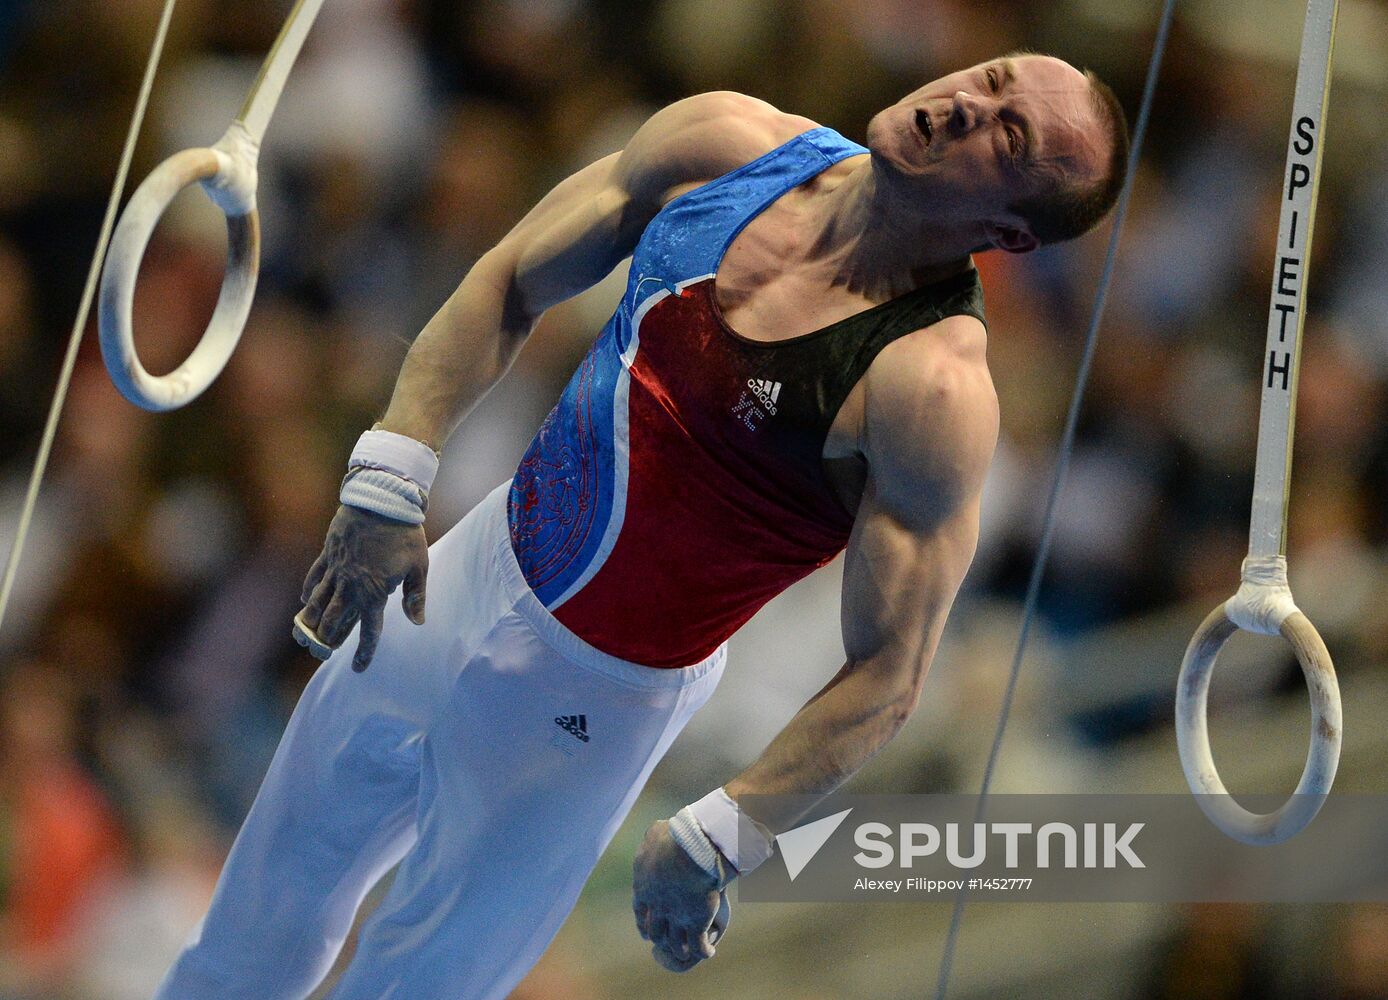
(568,242)
(928,429)
(930,425)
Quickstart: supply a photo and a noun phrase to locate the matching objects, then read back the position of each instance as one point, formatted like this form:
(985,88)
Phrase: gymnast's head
(1026,148)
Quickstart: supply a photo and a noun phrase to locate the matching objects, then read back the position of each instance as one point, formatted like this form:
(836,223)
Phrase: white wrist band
(685,831)
(384,493)
(390,474)
(740,839)
(398,454)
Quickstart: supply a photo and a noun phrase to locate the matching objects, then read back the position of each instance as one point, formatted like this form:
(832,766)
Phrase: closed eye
(994,82)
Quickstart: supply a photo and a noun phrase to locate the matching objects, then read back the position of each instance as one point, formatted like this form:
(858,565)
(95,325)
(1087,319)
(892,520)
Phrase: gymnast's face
(968,146)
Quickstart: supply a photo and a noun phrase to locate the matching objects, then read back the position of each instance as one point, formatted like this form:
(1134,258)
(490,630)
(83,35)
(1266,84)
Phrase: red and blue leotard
(677,485)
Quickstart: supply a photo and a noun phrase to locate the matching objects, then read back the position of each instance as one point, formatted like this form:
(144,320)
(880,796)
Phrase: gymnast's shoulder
(930,417)
(694,140)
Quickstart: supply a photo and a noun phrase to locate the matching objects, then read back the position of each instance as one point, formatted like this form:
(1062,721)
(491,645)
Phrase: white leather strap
(397,454)
(745,844)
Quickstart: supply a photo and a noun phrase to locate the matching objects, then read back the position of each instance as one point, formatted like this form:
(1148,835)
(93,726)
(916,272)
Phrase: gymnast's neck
(871,240)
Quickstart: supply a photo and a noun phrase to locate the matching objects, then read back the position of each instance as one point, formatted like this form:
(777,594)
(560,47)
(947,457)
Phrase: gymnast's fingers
(656,929)
(312,614)
(666,960)
(305,636)
(413,595)
(372,621)
(700,946)
(679,943)
(314,577)
(339,616)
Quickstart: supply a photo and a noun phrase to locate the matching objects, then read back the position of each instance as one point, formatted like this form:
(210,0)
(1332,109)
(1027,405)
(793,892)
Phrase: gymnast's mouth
(927,130)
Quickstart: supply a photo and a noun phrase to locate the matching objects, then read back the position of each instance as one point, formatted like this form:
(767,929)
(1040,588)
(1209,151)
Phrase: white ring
(132,235)
(1193,736)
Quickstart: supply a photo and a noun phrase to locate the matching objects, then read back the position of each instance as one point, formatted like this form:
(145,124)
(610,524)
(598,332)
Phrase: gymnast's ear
(1012,238)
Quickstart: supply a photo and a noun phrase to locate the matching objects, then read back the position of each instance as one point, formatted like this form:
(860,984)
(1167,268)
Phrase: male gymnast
(797,366)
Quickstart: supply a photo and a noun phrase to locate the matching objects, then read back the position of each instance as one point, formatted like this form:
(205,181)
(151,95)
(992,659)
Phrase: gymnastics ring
(1264,600)
(1193,737)
(229,177)
(227,172)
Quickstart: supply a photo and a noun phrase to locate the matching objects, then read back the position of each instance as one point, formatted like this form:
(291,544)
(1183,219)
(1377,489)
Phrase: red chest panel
(677,485)
(726,504)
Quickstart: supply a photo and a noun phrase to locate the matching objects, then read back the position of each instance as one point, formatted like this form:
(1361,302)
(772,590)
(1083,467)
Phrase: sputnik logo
(799,846)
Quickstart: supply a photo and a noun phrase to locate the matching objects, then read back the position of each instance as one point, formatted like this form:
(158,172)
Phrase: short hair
(1066,209)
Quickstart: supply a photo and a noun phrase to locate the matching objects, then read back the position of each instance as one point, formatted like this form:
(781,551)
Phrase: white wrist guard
(722,826)
(685,830)
(390,474)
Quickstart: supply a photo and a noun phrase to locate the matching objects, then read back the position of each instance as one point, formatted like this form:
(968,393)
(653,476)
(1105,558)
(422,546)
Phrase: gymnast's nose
(967,112)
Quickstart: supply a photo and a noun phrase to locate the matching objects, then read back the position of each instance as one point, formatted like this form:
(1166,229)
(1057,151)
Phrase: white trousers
(459,753)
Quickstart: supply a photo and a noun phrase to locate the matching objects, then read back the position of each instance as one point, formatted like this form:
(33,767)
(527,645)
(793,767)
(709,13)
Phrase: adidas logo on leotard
(748,410)
(576,725)
(766,391)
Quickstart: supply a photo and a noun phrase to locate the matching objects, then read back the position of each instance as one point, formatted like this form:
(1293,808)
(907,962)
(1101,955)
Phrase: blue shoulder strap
(687,239)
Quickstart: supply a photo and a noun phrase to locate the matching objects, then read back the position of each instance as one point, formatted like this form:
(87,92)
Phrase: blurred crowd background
(146,668)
